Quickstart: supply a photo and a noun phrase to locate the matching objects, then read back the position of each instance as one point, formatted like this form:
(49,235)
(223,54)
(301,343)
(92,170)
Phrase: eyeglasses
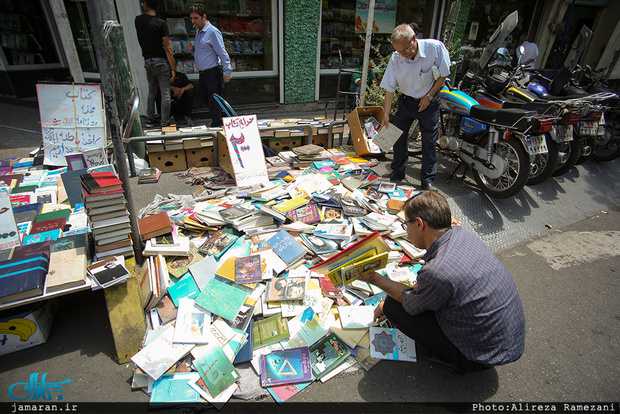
(406,51)
(405,224)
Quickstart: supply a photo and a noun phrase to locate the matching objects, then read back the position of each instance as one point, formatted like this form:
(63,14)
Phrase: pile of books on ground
(271,279)
(46,244)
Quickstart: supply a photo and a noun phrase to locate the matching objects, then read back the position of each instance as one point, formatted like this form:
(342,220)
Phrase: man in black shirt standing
(154,39)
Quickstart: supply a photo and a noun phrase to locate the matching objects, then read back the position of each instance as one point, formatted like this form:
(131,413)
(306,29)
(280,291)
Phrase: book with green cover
(270,330)
(51,215)
(327,354)
(221,298)
(215,369)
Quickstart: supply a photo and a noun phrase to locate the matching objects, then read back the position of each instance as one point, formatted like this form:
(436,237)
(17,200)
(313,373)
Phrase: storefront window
(343,32)
(82,34)
(245,25)
(25,34)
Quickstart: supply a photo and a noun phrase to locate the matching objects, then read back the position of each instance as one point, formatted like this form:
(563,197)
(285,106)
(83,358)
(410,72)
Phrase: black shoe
(150,124)
(396,177)
(188,121)
(433,360)
(428,186)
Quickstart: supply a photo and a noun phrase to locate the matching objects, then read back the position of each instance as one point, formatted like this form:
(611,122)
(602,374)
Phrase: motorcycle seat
(517,119)
(548,97)
(541,107)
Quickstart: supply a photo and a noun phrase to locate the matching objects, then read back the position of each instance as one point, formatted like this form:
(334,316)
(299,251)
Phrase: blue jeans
(158,76)
(429,127)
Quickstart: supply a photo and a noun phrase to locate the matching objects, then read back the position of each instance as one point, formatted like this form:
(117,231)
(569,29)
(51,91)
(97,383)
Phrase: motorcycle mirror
(522,49)
(502,51)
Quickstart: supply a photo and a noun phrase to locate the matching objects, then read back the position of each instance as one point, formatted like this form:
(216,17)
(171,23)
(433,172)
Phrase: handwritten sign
(246,150)
(72,120)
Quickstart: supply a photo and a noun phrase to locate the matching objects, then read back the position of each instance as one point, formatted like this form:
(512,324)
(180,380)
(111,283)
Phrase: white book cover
(181,250)
(246,150)
(356,317)
(192,323)
(386,137)
(390,343)
(158,356)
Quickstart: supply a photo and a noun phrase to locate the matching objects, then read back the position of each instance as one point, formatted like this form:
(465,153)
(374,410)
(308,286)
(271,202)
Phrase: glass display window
(246,27)
(25,34)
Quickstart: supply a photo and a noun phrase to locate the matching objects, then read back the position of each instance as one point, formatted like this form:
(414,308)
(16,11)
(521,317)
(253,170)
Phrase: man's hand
(425,101)
(176,92)
(190,47)
(368,277)
(386,119)
(172,76)
(227,78)
(379,316)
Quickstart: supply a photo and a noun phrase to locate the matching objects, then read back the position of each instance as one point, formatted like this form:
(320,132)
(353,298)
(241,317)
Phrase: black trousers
(210,82)
(183,105)
(428,336)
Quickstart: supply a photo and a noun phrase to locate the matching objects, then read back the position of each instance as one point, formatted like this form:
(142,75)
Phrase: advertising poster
(246,150)
(72,120)
(384,18)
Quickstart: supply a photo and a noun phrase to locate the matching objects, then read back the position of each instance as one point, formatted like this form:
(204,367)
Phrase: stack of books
(149,175)
(104,200)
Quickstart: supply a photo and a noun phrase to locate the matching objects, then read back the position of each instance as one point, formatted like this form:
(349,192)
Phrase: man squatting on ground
(464,313)
(411,69)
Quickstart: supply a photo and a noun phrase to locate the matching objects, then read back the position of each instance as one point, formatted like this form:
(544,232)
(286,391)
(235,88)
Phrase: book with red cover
(28,249)
(41,226)
(154,225)
(113,246)
(101,182)
(8,178)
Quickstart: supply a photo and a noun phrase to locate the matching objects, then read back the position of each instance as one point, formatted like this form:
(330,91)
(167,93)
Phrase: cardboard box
(285,143)
(199,157)
(168,161)
(223,157)
(26,329)
(356,127)
(320,140)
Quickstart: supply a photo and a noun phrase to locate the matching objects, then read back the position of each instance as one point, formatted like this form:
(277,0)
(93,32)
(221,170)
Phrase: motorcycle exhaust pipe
(562,157)
(586,151)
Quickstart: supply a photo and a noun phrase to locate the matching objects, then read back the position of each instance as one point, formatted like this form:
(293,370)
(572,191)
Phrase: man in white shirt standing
(411,68)
(529,55)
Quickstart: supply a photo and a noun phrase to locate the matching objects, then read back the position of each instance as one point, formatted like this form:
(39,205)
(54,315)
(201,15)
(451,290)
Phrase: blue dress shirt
(209,50)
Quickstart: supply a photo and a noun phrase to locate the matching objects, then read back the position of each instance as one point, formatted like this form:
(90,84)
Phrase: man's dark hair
(152,4)
(415,27)
(198,8)
(431,207)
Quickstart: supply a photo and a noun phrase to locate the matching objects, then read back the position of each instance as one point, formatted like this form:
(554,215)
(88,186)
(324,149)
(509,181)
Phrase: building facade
(286,51)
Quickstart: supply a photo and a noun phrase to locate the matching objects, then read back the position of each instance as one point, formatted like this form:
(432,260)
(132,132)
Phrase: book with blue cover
(185,287)
(174,388)
(288,366)
(286,247)
(247,350)
(23,277)
(50,235)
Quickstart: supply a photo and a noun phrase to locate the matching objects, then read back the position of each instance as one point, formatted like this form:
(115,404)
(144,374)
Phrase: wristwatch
(431,97)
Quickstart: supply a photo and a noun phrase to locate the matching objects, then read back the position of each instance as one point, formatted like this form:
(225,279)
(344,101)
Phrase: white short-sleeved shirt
(531,52)
(415,77)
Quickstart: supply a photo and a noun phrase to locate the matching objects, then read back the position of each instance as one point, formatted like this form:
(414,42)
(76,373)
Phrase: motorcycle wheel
(414,139)
(611,149)
(573,149)
(515,176)
(543,165)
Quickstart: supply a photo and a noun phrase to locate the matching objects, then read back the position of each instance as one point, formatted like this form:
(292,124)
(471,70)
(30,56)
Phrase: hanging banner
(384,19)
(246,150)
(72,120)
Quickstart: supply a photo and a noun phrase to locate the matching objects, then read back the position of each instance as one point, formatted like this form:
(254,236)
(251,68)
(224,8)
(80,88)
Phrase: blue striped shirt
(415,77)
(473,296)
(209,50)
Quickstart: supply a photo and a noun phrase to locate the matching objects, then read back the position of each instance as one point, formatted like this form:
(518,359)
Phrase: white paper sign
(246,150)
(72,120)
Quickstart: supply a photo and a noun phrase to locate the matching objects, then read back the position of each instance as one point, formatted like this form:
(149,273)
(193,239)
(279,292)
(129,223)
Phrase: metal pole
(98,11)
(369,26)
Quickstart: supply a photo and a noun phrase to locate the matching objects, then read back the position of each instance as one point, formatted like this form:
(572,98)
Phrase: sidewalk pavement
(559,241)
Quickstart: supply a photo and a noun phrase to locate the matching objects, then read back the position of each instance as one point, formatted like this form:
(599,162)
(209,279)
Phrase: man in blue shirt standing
(464,312)
(211,60)
(418,67)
